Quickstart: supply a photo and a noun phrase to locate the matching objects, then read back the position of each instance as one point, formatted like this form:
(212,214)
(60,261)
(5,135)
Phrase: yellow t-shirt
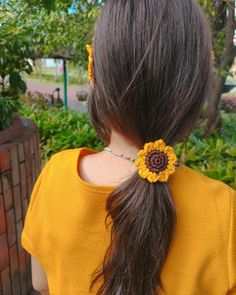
(65,230)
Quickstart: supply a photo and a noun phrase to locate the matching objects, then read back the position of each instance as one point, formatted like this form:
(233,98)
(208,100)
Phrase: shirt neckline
(106,189)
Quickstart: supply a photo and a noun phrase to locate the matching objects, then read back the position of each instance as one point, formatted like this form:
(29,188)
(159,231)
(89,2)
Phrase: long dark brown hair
(152,68)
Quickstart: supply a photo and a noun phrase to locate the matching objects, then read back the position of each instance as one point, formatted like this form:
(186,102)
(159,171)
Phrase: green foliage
(217,13)
(214,156)
(8,106)
(53,29)
(219,42)
(61,129)
(15,49)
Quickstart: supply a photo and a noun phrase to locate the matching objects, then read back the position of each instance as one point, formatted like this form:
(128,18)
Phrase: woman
(169,230)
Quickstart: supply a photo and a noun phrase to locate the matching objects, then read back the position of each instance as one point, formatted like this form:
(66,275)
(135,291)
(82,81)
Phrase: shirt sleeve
(232,246)
(30,225)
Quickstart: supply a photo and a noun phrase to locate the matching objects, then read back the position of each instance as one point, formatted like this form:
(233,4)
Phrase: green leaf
(16,82)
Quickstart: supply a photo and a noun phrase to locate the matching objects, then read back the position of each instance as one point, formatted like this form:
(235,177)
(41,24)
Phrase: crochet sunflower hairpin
(156,161)
(90,63)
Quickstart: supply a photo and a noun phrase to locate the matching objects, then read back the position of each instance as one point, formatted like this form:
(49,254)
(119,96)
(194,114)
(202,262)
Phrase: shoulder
(58,166)
(65,156)
(63,160)
(196,183)
(211,213)
(202,198)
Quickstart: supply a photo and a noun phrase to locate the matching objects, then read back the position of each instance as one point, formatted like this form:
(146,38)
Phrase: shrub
(213,156)
(63,129)
(8,105)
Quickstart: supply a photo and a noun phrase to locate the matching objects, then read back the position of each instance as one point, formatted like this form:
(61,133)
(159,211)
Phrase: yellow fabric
(64,229)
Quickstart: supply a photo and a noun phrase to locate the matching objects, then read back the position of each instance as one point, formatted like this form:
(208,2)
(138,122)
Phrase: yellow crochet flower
(90,63)
(156,161)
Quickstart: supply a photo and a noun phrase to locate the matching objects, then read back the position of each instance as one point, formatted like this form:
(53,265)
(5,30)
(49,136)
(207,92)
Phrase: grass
(76,75)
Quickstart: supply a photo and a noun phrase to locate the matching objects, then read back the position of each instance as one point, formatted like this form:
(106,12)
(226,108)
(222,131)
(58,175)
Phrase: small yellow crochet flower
(156,161)
(90,63)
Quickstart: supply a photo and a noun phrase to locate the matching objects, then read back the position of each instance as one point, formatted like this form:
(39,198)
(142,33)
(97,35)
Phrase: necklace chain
(110,150)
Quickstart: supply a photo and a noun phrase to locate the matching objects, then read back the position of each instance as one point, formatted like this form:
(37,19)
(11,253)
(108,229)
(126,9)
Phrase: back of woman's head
(152,66)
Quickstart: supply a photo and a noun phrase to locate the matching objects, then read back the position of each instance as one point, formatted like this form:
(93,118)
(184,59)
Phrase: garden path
(48,88)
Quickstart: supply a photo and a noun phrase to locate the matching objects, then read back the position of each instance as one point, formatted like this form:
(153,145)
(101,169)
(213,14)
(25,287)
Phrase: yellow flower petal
(171,169)
(142,153)
(169,150)
(143,173)
(154,177)
(172,158)
(148,147)
(159,145)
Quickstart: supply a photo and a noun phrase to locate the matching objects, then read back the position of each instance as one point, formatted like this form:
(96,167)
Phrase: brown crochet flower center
(156,161)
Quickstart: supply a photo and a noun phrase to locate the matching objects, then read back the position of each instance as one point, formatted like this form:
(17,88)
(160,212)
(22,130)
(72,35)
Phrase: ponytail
(143,217)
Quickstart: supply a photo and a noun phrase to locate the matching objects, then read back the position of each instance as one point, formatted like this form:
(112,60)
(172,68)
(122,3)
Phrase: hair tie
(156,161)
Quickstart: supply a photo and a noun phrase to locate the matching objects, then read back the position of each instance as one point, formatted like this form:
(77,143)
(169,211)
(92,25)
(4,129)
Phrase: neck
(120,144)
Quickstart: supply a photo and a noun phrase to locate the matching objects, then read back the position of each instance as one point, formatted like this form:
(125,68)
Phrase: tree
(61,27)
(59,30)
(15,48)
(221,17)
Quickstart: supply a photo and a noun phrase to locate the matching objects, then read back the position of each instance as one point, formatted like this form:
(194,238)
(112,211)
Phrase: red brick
(15,283)
(14,260)
(19,228)
(36,144)
(7,191)
(21,152)
(27,148)
(4,255)
(6,282)
(11,227)
(27,158)
(37,161)
(29,184)
(14,166)
(24,207)
(17,202)
(2,216)
(23,272)
(33,292)
(23,181)
(34,171)
(4,160)
(15,272)
(28,268)
(32,147)
(37,139)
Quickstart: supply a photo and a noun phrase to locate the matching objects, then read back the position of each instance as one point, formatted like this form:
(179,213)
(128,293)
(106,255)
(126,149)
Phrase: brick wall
(19,167)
